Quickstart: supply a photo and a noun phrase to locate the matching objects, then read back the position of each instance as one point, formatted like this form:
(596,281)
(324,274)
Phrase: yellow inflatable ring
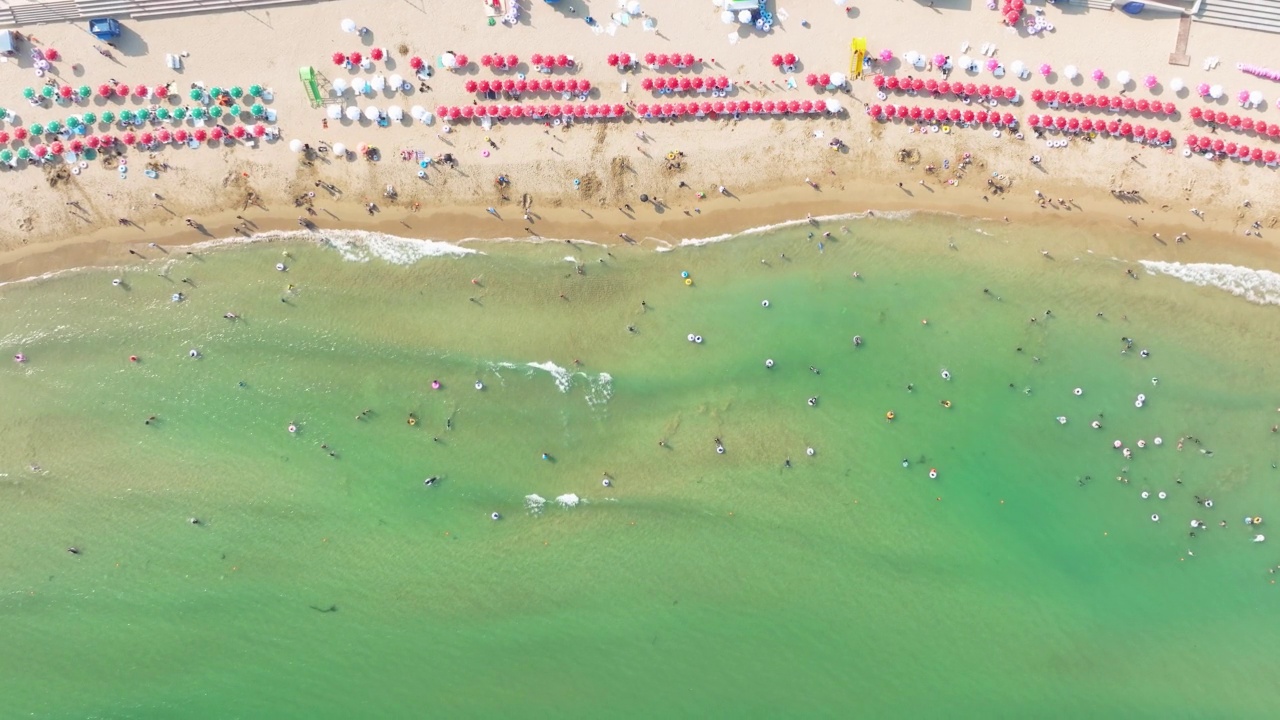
(688,281)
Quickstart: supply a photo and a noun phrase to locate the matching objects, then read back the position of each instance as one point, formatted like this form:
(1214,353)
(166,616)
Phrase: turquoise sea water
(1026,580)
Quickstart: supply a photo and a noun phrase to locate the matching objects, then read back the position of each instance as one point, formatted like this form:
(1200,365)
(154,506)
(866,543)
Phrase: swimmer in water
(813,401)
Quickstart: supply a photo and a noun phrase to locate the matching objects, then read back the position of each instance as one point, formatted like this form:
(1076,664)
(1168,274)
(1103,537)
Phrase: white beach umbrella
(366,64)
(1215,92)
(295,145)
(339,149)
(1123,77)
(448,60)
(377,82)
(340,86)
(1071,72)
(833,106)
(733,38)
(1018,68)
(726,17)
(348,25)
(633,7)
(1255,98)
(372,113)
(396,113)
(395,82)
(910,57)
(359,86)
(417,112)
(334,112)
(838,79)
(1176,84)
(353,113)
(744,17)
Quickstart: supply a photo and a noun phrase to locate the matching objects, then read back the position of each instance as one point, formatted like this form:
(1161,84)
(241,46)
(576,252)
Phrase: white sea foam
(568,500)
(559,374)
(696,242)
(534,503)
(1256,286)
(361,246)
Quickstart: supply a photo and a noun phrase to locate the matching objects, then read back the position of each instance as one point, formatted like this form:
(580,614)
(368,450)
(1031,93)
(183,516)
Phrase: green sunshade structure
(258,110)
(6,155)
(89,118)
(215,111)
(236,91)
(28,93)
(255,90)
(24,153)
(179,113)
(47,91)
(196,93)
(84,91)
(53,126)
(162,113)
(108,117)
(36,129)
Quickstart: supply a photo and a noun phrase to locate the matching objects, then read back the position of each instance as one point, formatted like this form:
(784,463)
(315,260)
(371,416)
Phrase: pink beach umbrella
(1150,81)
(1242,96)
(1097,75)
(939,60)
(20,133)
(992,64)
(1046,70)
(1202,89)
(886,55)
(41,150)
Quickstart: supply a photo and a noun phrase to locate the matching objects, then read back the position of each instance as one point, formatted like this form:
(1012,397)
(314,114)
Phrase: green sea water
(1026,580)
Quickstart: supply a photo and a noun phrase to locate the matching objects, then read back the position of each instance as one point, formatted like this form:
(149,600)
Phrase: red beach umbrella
(129,138)
(483,86)
(504,111)
(1073,124)
(104,90)
(877,80)
(1116,102)
(1129,104)
(891,82)
(146,138)
(789,58)
(668,109)
(200,134)
(1196,113)
(165,136)
(486,61)
(612,59)
(571,85)
(93,141)
(983,89)
(769,106)
(376,53)
(757,106)
(1206,142)
(1243,151)
(491,111)
(686,84)
(1126,129)
(1246,124)
(141,90)
(556,110)
(562,61)
(810,79)
(536,59)
(1113,127)
(581,111)
(1230,148)
(522,85)
(471,86)
(1143,105)
(928,114)
(1060,122)
(718,106)
(356,58)
(1033,120)
(1037,95)
(19,133)
(646,83)
(1169,108)
(776,60)
(1192,140)
(179,135)
(462,61)
(1269,156)
(902,111)
(793,106)
(1221,118)
(1256,155)
(663,60)
(824,79)
(722,82)
(968,116)
(1087,124)
(468,111)
(944,87)
(509,85)
(1234,121)
(4,137)
(416,63)
(339,58)
(953,115)
(259,130)
(650,59)
(917,84)
(56,147)
(558,85)
(584,85)
(122,90)
(41,150)
(238,131)
(983,116)
(65,91)
(642,109)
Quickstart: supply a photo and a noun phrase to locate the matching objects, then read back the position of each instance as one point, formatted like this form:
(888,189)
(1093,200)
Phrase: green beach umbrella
(179,113)
(126,116)
(24,153)
(215,91)
(3,113)
(36,129)
(234,111)
(255,90)
(163,113)
(258,110)
(215,111)
(89,118)
(6,155)
(197,113)
(236,91)
(53,127)
(108,117)
(84,91)
(47,91)
(196,93)
(28,93)
(74,121)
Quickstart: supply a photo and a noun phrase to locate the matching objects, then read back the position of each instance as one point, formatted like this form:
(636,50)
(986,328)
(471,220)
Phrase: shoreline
(674,226)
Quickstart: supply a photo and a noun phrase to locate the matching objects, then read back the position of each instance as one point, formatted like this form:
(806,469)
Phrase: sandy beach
(579,179)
